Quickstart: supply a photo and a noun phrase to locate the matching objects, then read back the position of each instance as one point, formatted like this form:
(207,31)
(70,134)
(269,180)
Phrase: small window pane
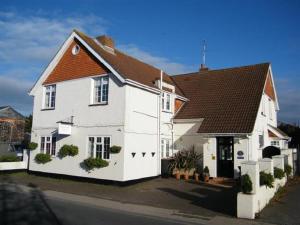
(53,147)
(98,151)
(106,147)
(42,144)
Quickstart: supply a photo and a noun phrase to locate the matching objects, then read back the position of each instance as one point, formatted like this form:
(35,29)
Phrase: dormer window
(50,92)
(166,102)
(100,90)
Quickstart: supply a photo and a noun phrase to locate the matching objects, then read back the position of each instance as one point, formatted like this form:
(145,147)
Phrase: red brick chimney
(106,41)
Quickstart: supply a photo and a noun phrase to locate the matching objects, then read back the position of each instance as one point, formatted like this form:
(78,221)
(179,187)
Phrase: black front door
(225,156)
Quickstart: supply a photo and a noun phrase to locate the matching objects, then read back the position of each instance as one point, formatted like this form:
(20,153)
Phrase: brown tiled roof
(227,99)
(127,66)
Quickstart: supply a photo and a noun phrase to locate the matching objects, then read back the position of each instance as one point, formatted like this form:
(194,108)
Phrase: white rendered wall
(141,133)
(261,126)
(73,99)
(186,135)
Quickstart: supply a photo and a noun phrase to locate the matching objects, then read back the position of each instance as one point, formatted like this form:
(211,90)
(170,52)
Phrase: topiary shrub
(246,184)
(42,158)
(278,173)
(32,146)
(92,163)
(68,150)
(266,179)
(288,170)
(115,149)
(9,158)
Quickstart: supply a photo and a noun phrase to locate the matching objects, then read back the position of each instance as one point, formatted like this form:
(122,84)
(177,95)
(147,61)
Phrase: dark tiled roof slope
(227,99)
(127,66)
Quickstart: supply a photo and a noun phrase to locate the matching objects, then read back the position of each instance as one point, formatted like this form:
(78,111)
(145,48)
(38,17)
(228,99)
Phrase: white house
(93,96)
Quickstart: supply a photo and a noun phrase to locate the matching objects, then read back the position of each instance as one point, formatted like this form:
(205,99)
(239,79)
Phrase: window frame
(95,95)
(166,101)
(47,101)
(275,143)
(261,140)
(93,152)
(271,116)
(48,141)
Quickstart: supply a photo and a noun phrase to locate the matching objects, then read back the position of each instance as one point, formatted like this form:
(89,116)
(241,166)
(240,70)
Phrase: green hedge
(288,170)
(42,158)
(115,149)
(246,184)
(68,150)
(9,158)
(32,146)
(92,163)
(266,179)
(278,173)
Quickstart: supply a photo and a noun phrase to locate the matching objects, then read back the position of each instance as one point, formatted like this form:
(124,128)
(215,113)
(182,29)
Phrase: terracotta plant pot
(196,177)
(177,175)
(186,175)
(206,178)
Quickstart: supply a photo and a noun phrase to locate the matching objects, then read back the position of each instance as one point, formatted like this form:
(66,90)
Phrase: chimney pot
(106,41)
(203,68)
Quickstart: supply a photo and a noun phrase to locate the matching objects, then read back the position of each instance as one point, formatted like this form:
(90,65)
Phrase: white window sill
(45,109)
(166,111)
(97,104)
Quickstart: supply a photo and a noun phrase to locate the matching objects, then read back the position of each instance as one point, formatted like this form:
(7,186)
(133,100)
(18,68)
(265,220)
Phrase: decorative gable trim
(271,92)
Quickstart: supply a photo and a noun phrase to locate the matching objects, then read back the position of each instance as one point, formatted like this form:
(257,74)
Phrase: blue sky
(167,34)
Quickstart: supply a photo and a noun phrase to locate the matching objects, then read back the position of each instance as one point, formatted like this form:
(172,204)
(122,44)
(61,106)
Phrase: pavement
(31,204)
(200,199)
(285,210)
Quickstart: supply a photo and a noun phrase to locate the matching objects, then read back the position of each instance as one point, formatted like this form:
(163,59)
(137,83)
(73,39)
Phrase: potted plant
(194,157)
(246,184)
(68,150)
(176,164)
(115,149)
(206,174)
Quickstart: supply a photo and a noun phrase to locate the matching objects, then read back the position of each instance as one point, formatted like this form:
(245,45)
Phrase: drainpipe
(159,123)
(248,144)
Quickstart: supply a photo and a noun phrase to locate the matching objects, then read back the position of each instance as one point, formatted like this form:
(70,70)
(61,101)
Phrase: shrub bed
(92,163)
(288,170)
(68,150)
(115,149)
(42,158)
(278,173)
(9,158)
(266,179)
(246,184)
(32,146)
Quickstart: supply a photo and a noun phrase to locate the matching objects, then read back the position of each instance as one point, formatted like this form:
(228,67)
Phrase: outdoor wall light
(143,153)
(133,154)
(153,154)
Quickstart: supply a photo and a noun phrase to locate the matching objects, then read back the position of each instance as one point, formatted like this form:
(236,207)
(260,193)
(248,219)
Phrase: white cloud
(14,93)
(157,61)
(38,38)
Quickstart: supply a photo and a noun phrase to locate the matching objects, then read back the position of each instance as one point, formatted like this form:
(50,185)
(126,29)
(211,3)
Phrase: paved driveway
(203,200)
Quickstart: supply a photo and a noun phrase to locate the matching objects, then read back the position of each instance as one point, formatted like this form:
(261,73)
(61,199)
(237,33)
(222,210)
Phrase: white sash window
(100,90)
(50,92)
(99,147)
